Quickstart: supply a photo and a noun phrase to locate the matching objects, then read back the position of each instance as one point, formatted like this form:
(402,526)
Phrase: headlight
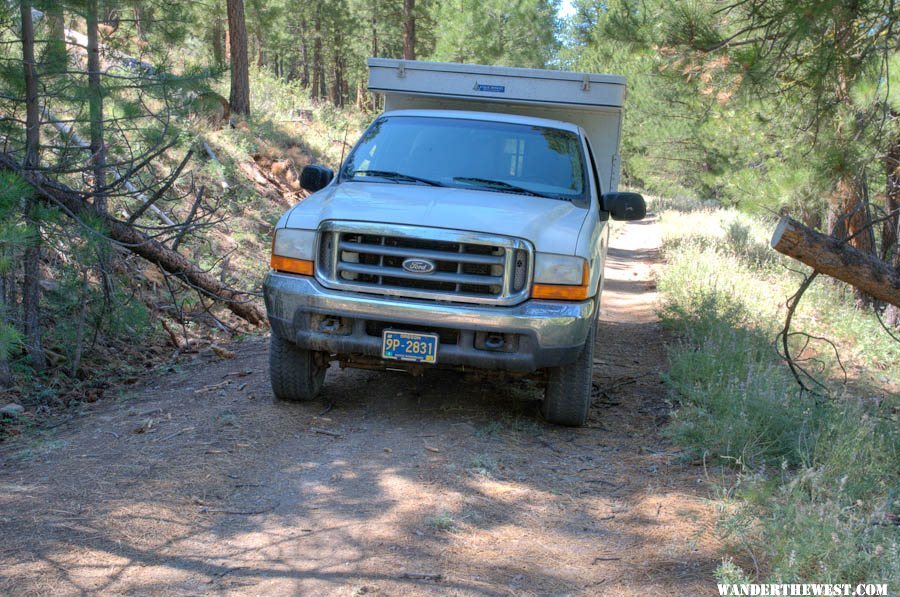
(559,269)
(293,251)
(297,244)
(560,277)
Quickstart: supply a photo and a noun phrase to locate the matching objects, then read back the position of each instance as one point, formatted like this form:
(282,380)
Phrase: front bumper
(537,333)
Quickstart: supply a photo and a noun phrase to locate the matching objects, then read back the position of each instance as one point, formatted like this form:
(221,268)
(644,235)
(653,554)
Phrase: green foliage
(819,479)
(503,32)
(741,102)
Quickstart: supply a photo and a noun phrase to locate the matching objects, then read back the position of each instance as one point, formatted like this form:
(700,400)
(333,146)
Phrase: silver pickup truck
(466,229)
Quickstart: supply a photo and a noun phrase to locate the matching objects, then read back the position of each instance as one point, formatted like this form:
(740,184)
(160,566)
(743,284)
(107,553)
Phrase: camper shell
(467,229)
(592,101)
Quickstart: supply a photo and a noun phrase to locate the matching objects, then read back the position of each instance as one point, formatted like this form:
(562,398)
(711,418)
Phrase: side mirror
(315,177)
(625,206)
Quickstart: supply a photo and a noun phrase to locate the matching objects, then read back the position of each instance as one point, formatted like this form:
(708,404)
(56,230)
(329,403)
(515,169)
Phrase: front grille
(464,267)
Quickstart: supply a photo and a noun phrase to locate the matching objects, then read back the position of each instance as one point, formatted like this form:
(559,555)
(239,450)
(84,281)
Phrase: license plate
(409,346)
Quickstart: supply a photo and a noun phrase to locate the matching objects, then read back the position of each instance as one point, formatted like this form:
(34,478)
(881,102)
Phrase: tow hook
(494,342)
(330,325)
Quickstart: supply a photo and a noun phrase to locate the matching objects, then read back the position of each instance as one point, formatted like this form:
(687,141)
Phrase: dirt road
(198,481)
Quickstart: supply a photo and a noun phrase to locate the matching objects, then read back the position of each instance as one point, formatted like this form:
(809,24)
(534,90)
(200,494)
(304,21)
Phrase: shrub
(818,488)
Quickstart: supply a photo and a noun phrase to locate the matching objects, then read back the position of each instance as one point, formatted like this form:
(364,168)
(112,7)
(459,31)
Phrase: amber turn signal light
(559,292)
(562,291)
(292,266)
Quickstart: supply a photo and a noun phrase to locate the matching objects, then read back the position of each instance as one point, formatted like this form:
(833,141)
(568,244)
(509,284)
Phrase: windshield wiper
(397,176)
(500,186)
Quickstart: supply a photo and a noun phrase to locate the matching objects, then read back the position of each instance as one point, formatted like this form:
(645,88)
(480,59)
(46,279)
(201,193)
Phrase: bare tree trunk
(318,70)
(890,248)
(5,372)
(138,26)
(304,54)
(337,87)
(374,28)
(31,291)
(54,58)
(360,94)
(32,110)
(409,29)
(12,295)
(239,100)
(79,328)
(95,93)
(374,97)
(218,38)
(850,217)
(260,62)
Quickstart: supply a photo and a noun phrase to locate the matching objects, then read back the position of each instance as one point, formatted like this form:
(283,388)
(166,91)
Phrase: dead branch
(159,193)
(73,204)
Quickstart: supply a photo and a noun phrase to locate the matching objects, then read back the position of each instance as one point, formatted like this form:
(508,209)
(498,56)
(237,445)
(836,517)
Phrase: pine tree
(239,100)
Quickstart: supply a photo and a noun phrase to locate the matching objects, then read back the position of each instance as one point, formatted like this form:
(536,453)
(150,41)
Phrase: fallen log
(239,303)
(837,259)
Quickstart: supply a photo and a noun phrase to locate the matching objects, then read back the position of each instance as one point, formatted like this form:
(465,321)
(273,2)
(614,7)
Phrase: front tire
(568,395)
(294,373)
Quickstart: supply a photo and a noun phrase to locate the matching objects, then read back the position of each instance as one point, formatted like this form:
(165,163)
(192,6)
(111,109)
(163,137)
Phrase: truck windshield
(457,152)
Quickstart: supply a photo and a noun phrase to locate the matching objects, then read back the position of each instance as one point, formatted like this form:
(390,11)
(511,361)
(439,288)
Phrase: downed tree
(72,202)
(837,259)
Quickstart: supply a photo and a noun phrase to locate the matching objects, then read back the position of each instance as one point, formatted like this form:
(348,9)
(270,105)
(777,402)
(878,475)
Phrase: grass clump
(817,496)
(442,522)
(483,464)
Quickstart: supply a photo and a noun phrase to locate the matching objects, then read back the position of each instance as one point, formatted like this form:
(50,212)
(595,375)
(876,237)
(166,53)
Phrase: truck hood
(551,225)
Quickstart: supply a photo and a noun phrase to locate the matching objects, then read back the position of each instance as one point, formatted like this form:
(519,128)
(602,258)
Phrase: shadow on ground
(389,484)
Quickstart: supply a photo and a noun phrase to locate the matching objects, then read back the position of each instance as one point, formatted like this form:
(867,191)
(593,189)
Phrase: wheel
(294,373)
(568,395)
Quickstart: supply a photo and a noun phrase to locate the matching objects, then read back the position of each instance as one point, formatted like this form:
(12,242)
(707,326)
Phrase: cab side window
(594,169)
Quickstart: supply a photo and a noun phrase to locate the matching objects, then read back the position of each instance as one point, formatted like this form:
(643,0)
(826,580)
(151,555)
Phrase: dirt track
(405,486)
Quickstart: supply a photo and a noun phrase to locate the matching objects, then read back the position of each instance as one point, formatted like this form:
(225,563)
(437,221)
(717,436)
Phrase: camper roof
(495,83)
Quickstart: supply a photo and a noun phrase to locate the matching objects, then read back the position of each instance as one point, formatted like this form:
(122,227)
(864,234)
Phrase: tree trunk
(830,256)
(54,58)
(32,110)
(57,194)
(239,100)
(360,94)
(218,38)
(890,249)
(409,29)
(318,70)
(304,55)
(260,57)
(31,291)
(374,28)
(12,295)
(138,25)
(337,87)
(260,43)
(95,102)
(5,372)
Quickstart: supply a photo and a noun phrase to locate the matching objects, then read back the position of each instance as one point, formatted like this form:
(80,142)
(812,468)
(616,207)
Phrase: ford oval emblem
(419,266)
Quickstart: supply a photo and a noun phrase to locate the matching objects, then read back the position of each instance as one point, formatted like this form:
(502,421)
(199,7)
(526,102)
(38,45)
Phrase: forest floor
(197,480)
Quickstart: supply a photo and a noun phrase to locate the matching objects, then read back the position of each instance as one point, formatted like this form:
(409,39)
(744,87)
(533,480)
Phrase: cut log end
(783,224)
(838,260)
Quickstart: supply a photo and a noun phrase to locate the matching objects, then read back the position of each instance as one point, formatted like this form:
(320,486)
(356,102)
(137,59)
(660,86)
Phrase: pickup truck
(466,229)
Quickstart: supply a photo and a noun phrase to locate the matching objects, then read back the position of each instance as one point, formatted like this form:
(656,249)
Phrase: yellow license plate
(409,346)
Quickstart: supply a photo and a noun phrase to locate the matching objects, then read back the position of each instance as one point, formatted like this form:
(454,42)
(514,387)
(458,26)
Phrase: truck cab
(466,229)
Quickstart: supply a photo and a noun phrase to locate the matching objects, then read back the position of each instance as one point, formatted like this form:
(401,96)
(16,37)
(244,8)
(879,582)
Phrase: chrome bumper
(546,333)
